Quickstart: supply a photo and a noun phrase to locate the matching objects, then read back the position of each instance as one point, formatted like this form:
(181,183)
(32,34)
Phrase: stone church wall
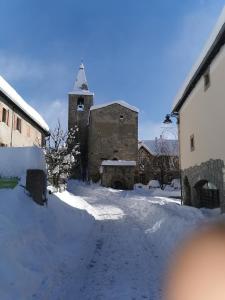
(113,135)
(118,177)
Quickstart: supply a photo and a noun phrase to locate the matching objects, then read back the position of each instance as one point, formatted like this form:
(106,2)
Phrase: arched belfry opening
(80,104)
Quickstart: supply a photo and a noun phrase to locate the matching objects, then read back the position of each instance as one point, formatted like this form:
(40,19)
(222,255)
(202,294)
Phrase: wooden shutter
(1,112)
(7,118)
(14,122)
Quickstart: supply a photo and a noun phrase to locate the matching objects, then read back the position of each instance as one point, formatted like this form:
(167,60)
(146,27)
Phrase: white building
(200,107)
(20,124)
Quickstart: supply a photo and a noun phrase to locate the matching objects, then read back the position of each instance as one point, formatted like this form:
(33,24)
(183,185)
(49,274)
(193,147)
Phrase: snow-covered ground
(90,243)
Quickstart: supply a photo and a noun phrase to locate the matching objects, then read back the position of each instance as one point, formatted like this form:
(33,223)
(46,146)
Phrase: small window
(121,117)
(206,80)
(4,115)
(18,124)
(192,143)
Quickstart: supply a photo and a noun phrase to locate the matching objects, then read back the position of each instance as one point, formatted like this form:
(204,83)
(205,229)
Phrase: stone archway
(119,183)
(187,191)
(207,193)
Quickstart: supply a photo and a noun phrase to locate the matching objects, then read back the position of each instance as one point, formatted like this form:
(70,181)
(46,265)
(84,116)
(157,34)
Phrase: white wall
(8,132)
(15,161)
(203,115)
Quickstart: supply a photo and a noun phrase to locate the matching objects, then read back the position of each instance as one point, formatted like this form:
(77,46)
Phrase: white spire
(81,80)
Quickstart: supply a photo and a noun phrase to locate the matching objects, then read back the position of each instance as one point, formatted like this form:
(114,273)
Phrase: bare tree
(62,152)
(166,160)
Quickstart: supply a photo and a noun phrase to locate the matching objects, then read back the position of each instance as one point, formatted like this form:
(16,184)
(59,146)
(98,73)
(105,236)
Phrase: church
(108,137)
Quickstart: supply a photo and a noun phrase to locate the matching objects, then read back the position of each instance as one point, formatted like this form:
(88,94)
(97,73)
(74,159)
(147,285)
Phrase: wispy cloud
(57,111)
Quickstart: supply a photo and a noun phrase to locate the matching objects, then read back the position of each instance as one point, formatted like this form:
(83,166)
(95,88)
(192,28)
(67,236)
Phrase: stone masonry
(210,171)
(113,135)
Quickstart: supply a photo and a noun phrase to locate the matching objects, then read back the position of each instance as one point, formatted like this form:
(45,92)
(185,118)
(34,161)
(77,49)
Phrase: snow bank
(15,161)
(41,247)
(154,184)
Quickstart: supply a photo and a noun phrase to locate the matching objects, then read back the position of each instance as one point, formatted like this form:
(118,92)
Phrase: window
(18,124)
(192,143)
(206,80)
(4,115)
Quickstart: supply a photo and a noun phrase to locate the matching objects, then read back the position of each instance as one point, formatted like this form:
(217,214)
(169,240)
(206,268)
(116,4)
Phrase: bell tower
(80,102)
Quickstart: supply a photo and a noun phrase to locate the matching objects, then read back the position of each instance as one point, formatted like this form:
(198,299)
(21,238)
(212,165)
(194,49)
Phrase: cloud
(57,110)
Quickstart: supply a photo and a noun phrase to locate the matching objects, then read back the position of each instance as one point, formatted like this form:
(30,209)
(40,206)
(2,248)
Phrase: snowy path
(134,236)
(119,268)
(91,243)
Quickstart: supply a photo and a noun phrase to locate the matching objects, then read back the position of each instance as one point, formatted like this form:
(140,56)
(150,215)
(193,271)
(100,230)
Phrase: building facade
(20,124)
(107,132)
(158,159)
(200,107)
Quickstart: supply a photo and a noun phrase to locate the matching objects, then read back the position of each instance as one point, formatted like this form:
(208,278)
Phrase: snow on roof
(204,54)
(11,93)
(81,84)
(160,146)
(120,102)
(118,163)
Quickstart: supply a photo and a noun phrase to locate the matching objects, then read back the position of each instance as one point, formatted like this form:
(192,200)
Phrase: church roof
(12,95)
(81,84)
(120,102)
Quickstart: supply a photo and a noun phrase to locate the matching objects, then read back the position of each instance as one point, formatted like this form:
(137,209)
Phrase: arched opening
(118,185)
(207,194)
(187,192)
(80,104)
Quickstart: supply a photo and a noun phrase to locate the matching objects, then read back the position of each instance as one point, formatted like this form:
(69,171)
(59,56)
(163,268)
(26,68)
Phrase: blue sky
(138,51)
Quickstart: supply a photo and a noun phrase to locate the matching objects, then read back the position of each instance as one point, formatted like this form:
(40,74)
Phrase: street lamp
(169,116)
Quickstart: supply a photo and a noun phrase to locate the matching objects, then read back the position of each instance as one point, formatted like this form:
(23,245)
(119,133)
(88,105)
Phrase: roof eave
(211,54)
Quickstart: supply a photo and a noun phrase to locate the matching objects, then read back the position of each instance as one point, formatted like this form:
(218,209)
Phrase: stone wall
(119,177)
(210,171)
(80,118)
(113,135)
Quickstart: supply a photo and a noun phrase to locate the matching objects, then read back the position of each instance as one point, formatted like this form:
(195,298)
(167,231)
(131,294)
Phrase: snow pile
(154,184)
(176,184)
(120,102)
(42,248)
(15,161)
(11,93)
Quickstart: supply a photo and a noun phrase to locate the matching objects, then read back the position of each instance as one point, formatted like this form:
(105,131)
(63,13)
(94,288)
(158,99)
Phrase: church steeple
(81,84)
(80,102)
